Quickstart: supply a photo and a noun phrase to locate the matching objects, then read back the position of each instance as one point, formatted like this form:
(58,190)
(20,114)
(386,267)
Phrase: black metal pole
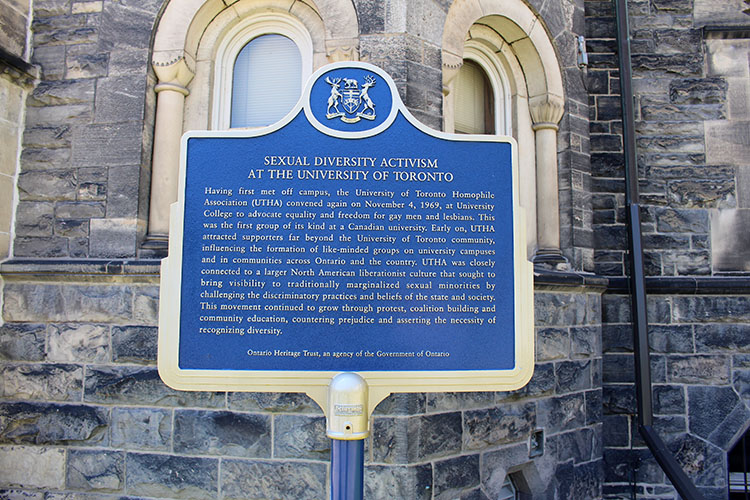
(664,457)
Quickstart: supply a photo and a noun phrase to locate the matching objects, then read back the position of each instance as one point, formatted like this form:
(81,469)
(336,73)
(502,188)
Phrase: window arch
(243,54)
(509,42)
(480,60)
(195,46)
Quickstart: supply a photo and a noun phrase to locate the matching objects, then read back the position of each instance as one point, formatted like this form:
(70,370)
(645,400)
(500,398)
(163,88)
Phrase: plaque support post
(348,426)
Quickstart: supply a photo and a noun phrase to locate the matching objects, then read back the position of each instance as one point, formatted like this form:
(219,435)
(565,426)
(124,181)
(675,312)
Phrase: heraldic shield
(354,98)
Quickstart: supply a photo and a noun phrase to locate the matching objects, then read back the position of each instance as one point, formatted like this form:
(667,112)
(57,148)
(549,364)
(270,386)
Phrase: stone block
(92,184)
(51,60)
(242,479)
(698,193)
(13,33)
(273,402)
(572,376)
(82,343)
(53,424)
(671,338)
(67,303)
(561,309)
(144,429)
(723,338)
(123,192)
(22,341)
(62,92)
(434,436)
(618,368)
(711,309)
(617,433)
(456,476)
(542,382)
(107,144)
(141,386)
(40,247)
(79,210)
(101,470)
(730,241)
(594,408)
(552,344)
(561,413)
(456,401)
(50,382)
(701,462)
(124,27)
(585,341)
(389,440)
(56,185)
(401,404)
(43,158)
(53,116)
(669,399)
(398,482)
(727,57)
(672,220)
(80,63)
(146,305)
(34,218)
(712,411)
(120,98)
(32,467)
(166,476)
(72,228)
(698,91)
(506,424)
(727,142)
(620,463)
(301,437)
(669,143)
(579,481)
(134,344)
(198,432)
(699,369)
(112,238)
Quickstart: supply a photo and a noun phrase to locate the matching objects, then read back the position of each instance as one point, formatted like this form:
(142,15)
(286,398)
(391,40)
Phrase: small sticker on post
(348,410)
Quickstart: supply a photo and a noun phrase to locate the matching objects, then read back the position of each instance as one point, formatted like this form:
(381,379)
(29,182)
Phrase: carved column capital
(546,111)
(342,50)
(173,75)
(451,65)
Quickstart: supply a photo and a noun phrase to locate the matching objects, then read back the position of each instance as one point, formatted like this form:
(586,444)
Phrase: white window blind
(267,81)
(473,113)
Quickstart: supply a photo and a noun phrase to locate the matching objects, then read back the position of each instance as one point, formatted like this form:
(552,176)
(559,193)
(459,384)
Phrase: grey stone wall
(689,197)
(83,411)
(86,149)
(700,347)
(16,79)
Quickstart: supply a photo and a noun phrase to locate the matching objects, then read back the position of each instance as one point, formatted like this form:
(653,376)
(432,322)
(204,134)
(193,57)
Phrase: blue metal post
(347,469)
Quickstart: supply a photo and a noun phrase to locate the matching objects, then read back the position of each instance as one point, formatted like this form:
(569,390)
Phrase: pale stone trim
(187,40)
(523,48)
(171,91)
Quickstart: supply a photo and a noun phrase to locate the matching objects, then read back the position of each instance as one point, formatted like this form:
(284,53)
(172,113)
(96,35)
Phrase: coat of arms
(353,98)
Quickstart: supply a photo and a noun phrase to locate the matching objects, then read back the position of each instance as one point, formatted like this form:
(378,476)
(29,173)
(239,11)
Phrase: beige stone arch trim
(520,28)
(186,41)
(184,22)
(523,47)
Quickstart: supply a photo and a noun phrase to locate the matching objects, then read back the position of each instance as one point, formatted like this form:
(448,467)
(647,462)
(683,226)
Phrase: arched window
(267,81)
(261,66)
(475,101)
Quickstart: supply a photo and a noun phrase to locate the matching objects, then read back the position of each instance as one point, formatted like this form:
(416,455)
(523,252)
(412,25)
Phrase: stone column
(546,112)
(170,103)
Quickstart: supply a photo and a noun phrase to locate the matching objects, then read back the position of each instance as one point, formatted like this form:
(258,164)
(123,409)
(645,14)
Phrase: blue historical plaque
(347,237)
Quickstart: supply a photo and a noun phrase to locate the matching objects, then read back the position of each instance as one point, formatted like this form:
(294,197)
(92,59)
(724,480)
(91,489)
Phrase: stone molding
(546,111)
(174,76)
